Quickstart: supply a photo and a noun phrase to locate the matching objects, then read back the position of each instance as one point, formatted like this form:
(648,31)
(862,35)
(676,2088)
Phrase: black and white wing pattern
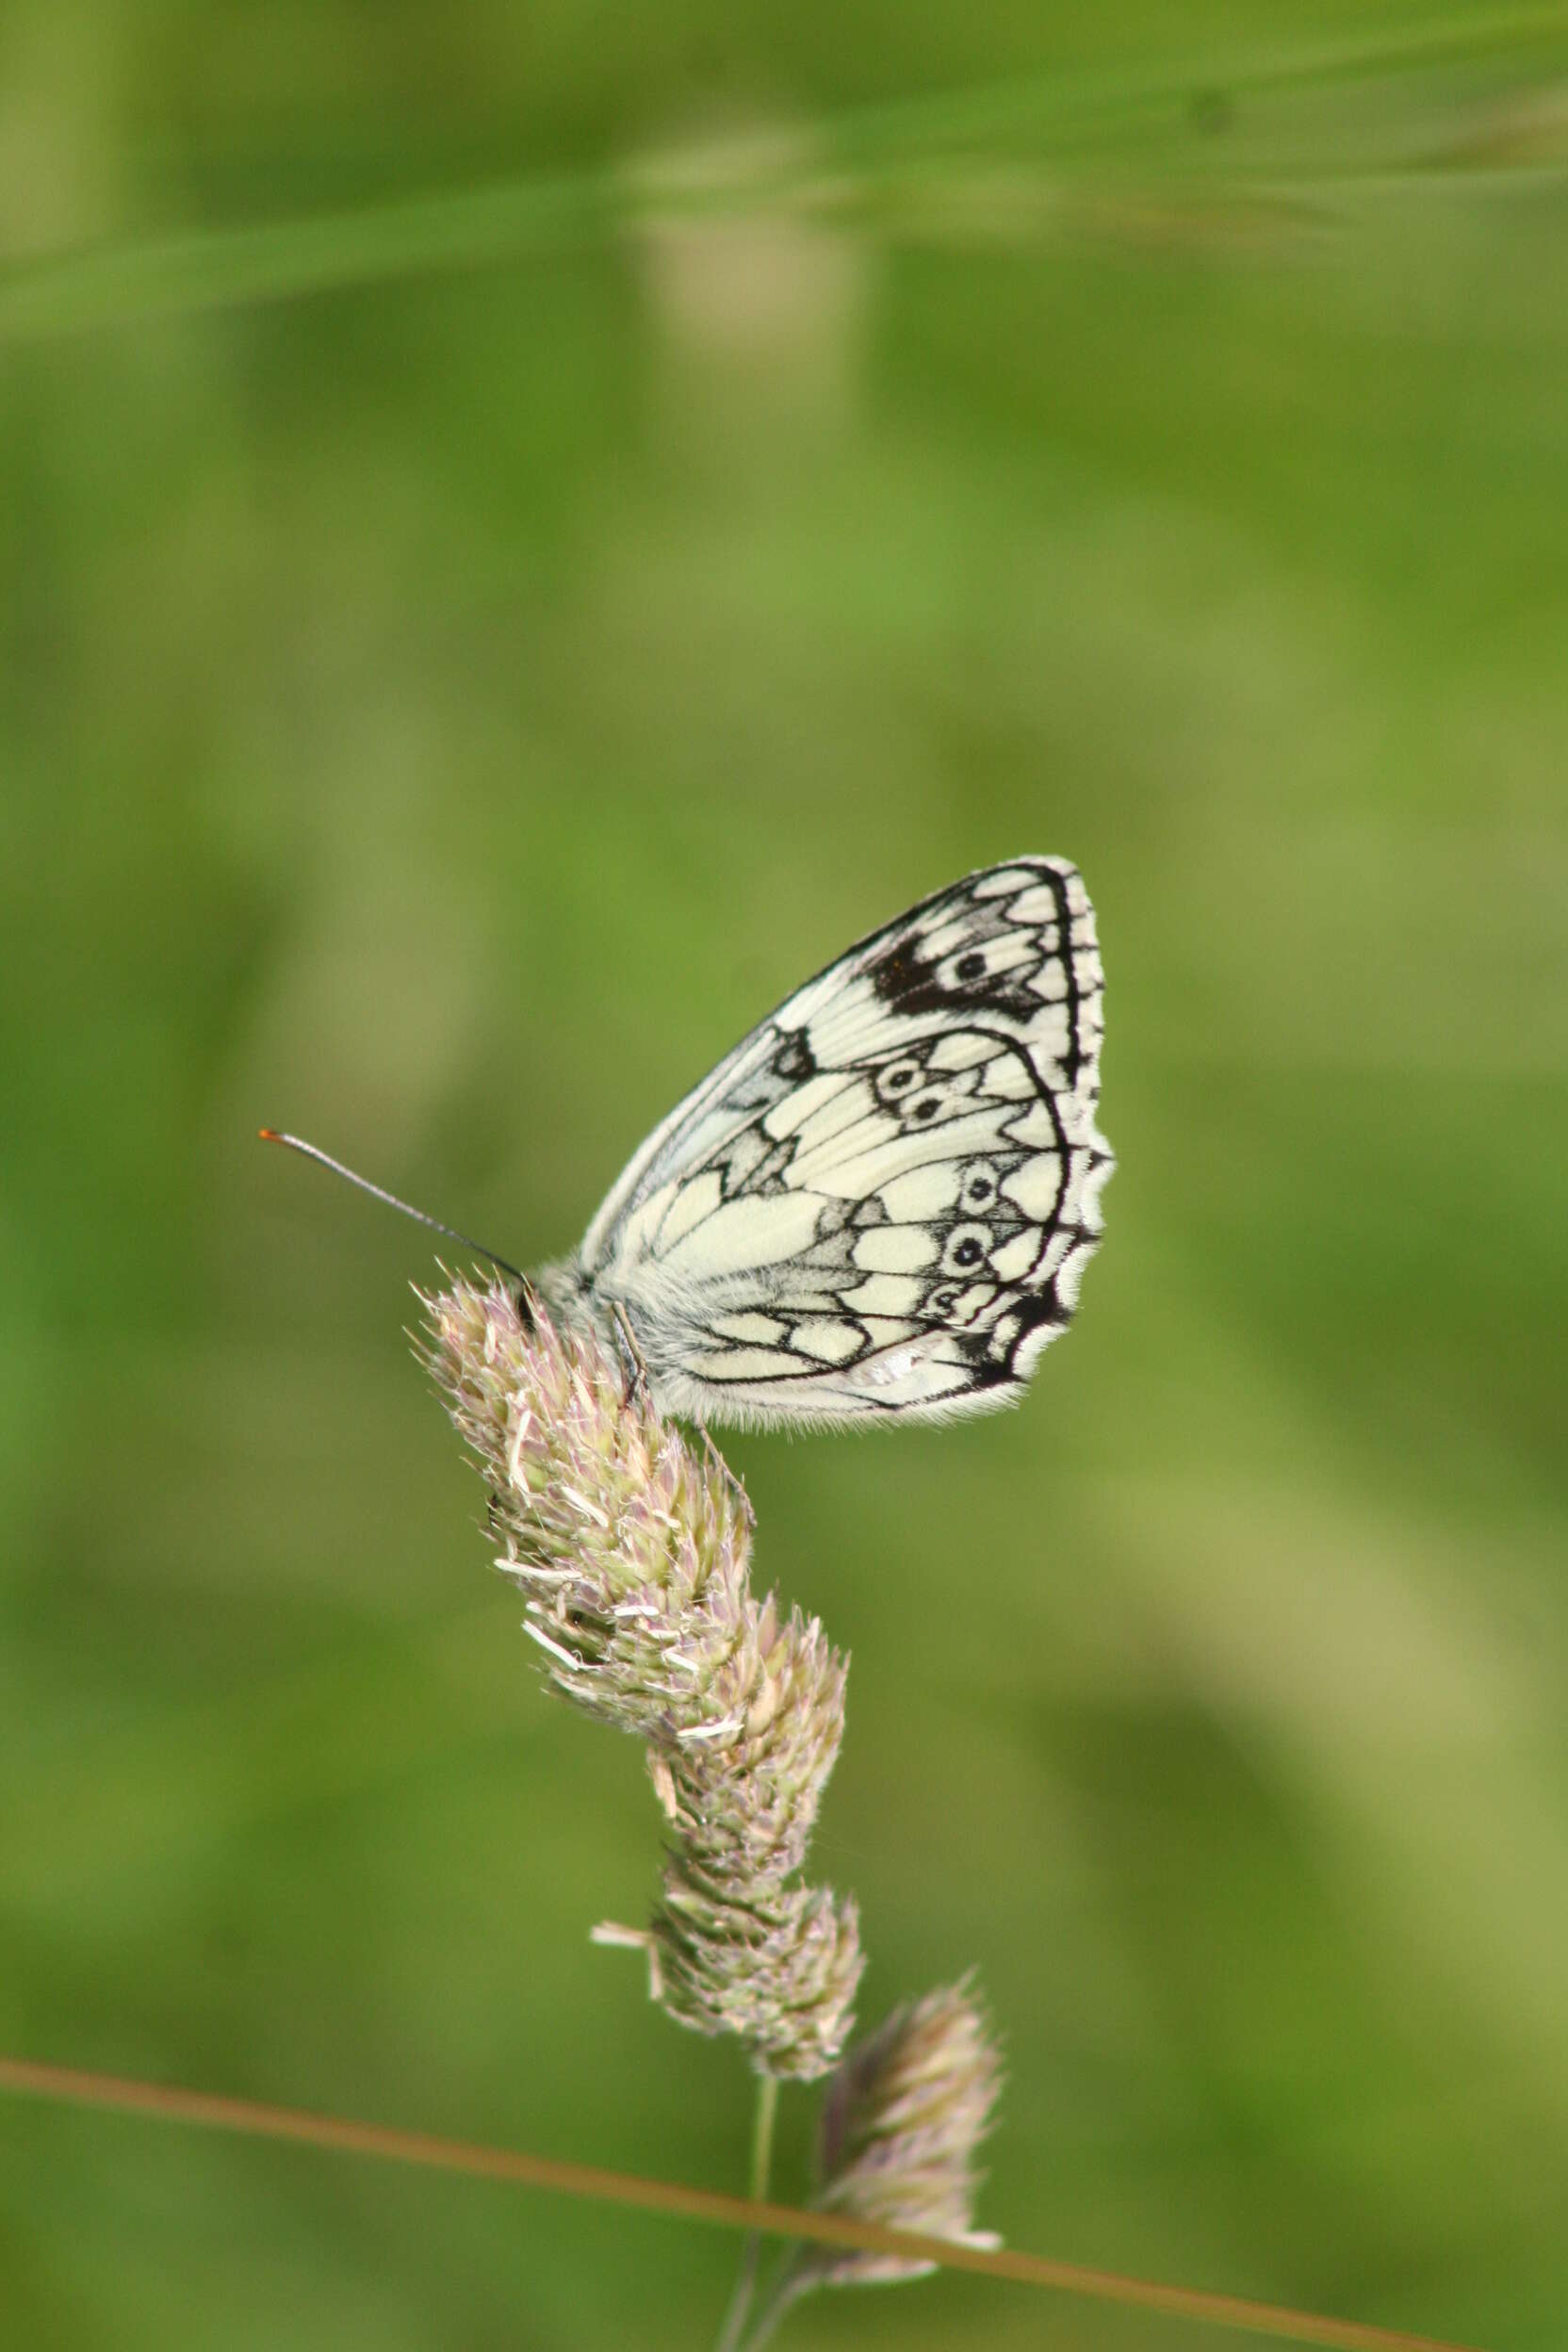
(882,1201)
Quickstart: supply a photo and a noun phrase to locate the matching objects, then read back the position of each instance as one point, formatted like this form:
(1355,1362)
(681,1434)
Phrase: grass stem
(751,2253)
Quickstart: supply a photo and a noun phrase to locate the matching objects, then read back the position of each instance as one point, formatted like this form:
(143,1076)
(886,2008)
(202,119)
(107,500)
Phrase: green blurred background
(522,531)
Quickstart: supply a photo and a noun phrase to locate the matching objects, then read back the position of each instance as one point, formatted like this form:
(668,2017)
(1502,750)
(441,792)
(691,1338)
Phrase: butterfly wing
(882,1201)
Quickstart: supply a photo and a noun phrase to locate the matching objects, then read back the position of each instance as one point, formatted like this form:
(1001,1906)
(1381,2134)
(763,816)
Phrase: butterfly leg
(633,1370)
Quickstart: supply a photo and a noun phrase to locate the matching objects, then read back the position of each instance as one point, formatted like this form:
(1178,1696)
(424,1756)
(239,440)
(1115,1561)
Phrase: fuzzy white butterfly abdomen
(881,1202)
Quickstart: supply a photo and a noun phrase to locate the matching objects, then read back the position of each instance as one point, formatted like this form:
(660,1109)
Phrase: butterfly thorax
(642,1319)
(567,1297)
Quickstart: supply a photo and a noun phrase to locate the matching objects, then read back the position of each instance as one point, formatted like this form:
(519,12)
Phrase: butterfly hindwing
(881,1202)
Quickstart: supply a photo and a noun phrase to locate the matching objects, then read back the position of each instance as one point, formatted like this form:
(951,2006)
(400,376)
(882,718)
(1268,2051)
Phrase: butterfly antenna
(314,1151)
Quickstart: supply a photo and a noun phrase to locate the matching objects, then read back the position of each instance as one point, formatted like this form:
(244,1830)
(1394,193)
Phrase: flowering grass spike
(631,1547)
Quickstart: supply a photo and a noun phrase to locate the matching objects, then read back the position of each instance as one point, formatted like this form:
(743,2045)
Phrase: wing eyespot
(894,1079)
(977,1188)
(967,1246)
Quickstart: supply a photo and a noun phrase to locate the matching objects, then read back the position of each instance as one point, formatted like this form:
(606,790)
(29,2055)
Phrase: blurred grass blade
(841,167)
(206,2109)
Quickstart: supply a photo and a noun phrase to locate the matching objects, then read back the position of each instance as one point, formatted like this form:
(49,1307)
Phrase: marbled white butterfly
(881,1203)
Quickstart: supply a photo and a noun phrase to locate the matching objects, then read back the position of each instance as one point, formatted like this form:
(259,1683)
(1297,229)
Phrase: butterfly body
(881,1202)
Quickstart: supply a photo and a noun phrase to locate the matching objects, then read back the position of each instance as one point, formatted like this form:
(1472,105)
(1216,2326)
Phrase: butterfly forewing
(881,1202)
